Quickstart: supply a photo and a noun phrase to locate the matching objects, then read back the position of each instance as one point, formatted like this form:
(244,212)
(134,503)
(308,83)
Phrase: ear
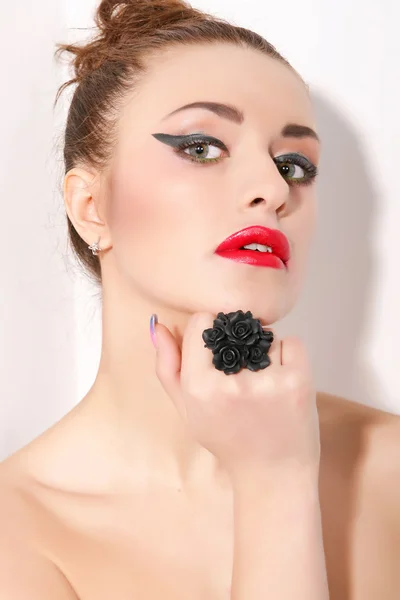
(84,207)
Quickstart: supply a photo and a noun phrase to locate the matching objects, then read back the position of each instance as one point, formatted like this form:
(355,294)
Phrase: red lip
(275,239)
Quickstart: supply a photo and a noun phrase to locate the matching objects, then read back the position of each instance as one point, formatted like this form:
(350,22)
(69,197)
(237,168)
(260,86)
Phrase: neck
(131,409)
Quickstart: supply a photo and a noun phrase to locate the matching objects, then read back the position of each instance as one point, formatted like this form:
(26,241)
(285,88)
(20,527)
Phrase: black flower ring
(238,341)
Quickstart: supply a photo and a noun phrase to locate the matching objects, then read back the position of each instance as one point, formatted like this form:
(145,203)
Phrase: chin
(268,308)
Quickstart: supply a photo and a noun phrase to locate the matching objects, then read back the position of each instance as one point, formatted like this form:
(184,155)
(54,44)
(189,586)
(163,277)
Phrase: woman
(196,470)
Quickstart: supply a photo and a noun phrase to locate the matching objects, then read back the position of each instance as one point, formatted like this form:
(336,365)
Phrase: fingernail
(153,322)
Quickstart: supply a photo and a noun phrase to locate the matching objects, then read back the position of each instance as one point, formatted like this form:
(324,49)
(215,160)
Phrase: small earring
(95,248)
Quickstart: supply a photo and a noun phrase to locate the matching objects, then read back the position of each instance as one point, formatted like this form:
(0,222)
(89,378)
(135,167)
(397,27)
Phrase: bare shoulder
(27,568)
(334,408)
(362,435)
(360,483)
(342,417)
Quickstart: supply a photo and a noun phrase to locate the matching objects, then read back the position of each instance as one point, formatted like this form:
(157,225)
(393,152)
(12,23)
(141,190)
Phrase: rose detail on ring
(229,358)
(237,341)
(256,357)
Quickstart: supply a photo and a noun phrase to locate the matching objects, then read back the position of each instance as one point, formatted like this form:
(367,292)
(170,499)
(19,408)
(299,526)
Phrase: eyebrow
(232,113)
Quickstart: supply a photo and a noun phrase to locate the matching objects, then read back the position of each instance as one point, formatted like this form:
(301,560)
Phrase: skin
(117,500)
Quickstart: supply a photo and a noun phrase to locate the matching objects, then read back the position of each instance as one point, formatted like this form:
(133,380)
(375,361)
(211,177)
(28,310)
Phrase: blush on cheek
(131,211)
(151,208)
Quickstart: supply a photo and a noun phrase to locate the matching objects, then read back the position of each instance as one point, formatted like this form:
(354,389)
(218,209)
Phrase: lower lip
(253,257)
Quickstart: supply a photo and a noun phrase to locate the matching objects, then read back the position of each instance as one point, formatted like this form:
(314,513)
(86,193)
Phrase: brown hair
(110,65)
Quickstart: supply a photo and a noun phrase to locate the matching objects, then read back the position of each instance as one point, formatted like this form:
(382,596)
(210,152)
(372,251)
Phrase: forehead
(265,89)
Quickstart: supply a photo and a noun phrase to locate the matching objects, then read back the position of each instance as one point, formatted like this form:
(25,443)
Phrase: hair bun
(141,16)
(119,24)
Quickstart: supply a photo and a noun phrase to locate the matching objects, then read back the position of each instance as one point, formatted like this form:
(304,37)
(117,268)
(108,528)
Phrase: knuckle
(299,387)
(266,386)
(208,389)
(193,388)
(229,387)
(294,381)
(200,390)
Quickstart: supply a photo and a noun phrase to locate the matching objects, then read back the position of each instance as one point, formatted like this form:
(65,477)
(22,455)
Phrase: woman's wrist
(287,497)
(274,480)
(278,530)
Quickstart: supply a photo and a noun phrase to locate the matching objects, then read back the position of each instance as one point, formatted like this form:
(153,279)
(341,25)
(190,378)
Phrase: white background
(348,314)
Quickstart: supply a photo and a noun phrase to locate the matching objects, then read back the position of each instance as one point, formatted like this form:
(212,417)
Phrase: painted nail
(153,322)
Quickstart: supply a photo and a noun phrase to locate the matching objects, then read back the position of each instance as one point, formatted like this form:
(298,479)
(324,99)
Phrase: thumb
(168,366)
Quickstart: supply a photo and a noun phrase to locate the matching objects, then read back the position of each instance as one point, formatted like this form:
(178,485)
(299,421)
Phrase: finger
(294,354)
(196,358)
(168,366)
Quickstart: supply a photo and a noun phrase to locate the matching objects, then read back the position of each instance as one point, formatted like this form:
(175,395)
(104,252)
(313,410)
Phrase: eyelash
(292,159)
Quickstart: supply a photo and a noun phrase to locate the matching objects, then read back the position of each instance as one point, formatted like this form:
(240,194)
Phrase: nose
(267,188)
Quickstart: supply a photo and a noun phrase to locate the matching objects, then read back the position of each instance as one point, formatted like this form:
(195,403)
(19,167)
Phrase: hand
(251,421)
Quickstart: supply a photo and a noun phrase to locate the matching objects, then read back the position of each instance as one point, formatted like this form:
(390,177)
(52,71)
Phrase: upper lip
(258,235)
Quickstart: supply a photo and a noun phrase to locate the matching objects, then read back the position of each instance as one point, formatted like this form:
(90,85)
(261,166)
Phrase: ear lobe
(82,208)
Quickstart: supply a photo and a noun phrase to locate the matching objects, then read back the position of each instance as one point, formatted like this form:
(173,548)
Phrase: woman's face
(168,213)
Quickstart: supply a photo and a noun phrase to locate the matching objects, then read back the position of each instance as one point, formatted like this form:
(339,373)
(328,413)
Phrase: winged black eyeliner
(176,140)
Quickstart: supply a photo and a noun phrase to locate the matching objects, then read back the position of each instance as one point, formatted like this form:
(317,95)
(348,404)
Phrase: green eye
(292,171)
(200,151)
(198,148)
(297,169)
(197,144)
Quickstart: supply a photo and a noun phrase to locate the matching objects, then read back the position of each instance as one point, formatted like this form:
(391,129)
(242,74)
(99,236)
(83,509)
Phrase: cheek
(302,226)
(130,213)
(156,207)
(301,232)
(138,201)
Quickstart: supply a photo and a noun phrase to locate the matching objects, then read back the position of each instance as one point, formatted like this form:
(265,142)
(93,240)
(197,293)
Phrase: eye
(292,171)
(296,168)
(198,145)
(202,149)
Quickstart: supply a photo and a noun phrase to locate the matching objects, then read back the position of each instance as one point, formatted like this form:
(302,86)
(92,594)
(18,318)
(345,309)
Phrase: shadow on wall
(331,314)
